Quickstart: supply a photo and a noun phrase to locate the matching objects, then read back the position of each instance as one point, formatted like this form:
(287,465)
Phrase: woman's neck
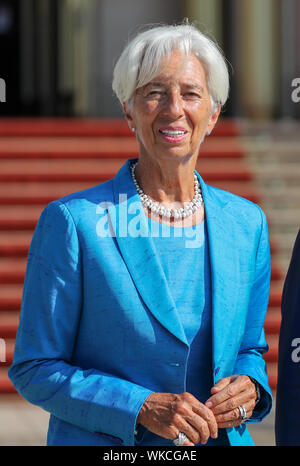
(171,185)
(166,183)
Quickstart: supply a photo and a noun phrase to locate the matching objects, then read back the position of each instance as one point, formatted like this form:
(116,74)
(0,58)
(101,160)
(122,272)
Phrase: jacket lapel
(138,251)
(224,260)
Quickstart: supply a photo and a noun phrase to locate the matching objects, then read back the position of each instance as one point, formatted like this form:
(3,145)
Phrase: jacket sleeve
(42,371)
(250,357)
(287,419)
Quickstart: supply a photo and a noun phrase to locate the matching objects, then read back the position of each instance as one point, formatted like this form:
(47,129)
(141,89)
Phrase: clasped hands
(167,414)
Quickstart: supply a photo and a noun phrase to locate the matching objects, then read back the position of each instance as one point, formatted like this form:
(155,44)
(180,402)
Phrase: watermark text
(2,90)
(296,352)
(296,92)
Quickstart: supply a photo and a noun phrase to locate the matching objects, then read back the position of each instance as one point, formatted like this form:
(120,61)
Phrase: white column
(259,58)
(208,16)
(81,12)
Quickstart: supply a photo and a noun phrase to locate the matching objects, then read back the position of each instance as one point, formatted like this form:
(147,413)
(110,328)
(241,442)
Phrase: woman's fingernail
(208,404)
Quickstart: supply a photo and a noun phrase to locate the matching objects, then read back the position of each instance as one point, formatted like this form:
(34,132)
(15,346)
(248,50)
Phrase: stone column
(208,16)
(259,58)
(289,58)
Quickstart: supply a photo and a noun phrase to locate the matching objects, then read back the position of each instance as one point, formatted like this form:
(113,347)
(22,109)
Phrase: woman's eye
(155,93)
(192,94)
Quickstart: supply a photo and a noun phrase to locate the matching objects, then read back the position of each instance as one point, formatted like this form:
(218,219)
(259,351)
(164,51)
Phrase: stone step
(272,369)
(284,216)
(13,244)
(41,193)
(280,202)
(101,170)
(272,354)
(19,217)
(285,238)
(263,157)
(6,386)
(90,127)
(101,148)
(9,321)
(279,174)
(272,321)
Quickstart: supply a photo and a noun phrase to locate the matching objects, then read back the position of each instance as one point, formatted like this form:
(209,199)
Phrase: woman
(149,339)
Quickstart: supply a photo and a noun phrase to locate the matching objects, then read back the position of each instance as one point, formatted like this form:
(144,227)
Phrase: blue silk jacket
(99,330)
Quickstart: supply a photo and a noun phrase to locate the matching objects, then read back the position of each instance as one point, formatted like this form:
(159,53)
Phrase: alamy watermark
(296,92)
(2,90)
(296,352)
(129,220)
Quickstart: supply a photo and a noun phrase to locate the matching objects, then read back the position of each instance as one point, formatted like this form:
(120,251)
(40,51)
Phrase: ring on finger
(243,412)
(179,441)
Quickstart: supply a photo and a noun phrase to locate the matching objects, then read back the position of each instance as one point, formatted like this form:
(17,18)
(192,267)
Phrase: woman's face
(173,113)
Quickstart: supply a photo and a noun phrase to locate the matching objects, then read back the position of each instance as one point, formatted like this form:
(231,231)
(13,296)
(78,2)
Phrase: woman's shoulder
(236,204)
(80,204)
(81,200)
(100,191)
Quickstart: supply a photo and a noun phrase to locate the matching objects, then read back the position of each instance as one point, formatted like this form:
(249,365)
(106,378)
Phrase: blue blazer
(287,419)
(99,330)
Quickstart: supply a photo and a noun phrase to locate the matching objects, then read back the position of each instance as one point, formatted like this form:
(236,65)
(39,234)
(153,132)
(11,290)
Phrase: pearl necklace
(158,209)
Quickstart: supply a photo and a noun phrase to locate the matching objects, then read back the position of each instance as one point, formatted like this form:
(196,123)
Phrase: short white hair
(141,59)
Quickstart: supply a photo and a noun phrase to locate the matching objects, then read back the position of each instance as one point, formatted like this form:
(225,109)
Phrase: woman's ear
(128,116)
(213,119)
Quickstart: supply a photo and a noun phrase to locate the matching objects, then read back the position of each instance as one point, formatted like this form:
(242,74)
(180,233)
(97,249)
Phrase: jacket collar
(146,271)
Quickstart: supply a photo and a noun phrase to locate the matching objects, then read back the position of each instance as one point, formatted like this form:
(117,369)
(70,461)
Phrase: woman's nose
(173,105)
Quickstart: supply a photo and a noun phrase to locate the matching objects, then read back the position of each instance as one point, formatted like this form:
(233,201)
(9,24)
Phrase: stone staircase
(273,154)
(42,160)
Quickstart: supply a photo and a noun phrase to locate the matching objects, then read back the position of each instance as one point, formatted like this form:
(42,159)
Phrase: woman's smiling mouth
(173,134)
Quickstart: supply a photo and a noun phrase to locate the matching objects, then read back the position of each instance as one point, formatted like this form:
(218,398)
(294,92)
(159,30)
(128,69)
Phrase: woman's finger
(167,414)
(237,385)
(195,432)
(233,418)
(232,403)
(198,417)
(208,416)
(222,383)
(187,443)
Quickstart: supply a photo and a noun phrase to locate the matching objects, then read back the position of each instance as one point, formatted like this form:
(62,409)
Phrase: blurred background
(62,130)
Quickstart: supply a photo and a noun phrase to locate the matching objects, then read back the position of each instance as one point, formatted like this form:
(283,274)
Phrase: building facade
(59,54)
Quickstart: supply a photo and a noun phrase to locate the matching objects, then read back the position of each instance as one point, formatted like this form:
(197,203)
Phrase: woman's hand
(227,395)
(167,414)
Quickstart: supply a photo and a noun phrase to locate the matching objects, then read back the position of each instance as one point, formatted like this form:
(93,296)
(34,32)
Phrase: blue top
(183,254)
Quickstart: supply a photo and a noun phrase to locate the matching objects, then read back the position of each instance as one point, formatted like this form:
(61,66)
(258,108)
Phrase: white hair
(140,61)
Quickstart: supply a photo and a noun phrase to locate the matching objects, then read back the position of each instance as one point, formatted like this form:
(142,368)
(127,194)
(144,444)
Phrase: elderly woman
(145,296)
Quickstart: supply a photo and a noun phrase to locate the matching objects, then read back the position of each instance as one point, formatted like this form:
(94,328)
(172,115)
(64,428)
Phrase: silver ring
(179,441)
(243,412)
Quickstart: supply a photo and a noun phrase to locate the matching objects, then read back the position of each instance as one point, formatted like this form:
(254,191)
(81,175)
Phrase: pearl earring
(133,130)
